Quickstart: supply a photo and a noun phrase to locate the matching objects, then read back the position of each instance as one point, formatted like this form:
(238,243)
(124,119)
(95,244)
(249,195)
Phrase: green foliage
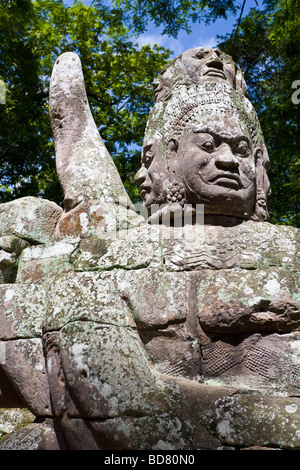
(118,78)
(267,47)
(19,68)
(174,15)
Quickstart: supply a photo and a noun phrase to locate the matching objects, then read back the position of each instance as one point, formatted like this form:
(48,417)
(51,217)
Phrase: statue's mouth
(228,180)
(157,91)
(144,190)
(215,73)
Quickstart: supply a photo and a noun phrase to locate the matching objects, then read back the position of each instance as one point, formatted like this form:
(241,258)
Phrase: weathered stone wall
(195,337)
(13,419)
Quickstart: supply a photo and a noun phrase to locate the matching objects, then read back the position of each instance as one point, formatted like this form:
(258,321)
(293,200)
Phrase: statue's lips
(227,179)
(215,73)
(144,191)
(157,91)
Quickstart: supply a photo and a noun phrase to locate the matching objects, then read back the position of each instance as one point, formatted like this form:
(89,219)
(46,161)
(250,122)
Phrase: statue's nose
(226,160)
(215,62)
(141,175)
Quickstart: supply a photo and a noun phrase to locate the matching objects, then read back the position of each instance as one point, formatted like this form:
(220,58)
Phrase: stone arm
(85,169)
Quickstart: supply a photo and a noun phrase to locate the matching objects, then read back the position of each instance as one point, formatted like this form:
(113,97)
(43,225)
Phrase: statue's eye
(208,146)
(148,158)
(201,54)
(243,149)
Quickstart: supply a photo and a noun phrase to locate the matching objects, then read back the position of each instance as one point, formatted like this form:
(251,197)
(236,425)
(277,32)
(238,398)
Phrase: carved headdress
(193,97)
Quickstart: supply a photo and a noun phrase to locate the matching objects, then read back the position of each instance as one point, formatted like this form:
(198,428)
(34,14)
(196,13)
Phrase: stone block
(22,310)
(34,436)
(248,301)
(136,248)
(40,262)
(24,366)
(29,218)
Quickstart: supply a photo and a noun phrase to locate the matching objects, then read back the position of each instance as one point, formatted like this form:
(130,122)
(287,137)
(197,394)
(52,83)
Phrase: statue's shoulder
(270,244)
(262,233)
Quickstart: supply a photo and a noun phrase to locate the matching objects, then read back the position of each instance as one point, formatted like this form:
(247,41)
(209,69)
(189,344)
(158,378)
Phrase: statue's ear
(262,167)
(172,145)
(240,82)
(262,183)
(172,148)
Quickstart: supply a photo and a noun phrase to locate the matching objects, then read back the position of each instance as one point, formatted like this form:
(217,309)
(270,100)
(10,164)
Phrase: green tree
(22,141)
(175,15)
(118,78)
(267,47)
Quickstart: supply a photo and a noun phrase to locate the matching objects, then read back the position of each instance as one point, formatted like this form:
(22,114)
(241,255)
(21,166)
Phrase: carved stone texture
(10,249)
(12,418)
(22,311)
(41,261)
(250,301)
(258,361)
(25,368)
(21,352)
(35,436)
(92,218)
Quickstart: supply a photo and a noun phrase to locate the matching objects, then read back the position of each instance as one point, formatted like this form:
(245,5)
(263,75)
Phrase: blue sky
(201,36)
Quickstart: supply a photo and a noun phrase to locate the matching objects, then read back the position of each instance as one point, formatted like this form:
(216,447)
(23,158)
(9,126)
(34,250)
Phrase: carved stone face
(163,87)
(152,176)
(210,63)
(196,65)
(210,140)
(218,169)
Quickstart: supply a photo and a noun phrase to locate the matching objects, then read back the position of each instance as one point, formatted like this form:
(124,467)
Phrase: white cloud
(175,45)
(151,39)
(184,42)
(207,42)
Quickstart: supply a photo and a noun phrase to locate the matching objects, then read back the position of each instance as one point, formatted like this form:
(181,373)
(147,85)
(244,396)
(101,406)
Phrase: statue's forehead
(226,128)
(206,51)
(196,134)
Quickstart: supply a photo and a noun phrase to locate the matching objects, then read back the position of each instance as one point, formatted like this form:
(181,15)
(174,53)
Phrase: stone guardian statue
(176,330)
